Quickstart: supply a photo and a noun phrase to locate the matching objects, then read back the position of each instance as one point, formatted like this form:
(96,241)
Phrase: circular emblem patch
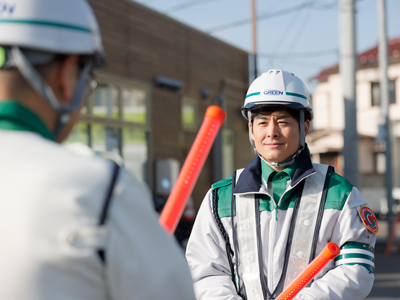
(369,219)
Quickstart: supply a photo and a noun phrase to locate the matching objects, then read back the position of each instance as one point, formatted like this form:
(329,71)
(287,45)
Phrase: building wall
(142,44)
(328,102)
(328,106)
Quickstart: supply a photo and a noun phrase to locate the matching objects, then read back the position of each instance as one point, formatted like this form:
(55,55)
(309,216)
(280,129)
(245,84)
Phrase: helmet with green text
(37,32)
(278,88)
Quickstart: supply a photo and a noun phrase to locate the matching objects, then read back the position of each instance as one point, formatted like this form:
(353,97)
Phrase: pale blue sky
(303,41)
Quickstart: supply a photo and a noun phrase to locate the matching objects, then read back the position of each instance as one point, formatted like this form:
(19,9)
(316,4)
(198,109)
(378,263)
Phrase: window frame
(119,123)
(378,102)
(189,127)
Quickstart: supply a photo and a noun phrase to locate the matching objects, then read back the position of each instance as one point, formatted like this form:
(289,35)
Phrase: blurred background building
(326,139)
(151,99)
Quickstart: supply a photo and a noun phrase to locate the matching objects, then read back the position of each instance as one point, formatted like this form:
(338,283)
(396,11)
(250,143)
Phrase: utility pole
(254,27)
(348,69)
(385,102)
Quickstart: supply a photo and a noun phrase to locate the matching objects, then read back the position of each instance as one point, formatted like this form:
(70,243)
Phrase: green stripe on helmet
(296,95)
(253,94)
(356,245)
(46,23)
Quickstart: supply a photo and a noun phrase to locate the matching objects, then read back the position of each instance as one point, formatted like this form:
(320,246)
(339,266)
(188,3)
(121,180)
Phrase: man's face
(276,136)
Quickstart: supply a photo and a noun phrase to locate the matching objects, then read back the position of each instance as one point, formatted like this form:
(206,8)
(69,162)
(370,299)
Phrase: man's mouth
(273,145)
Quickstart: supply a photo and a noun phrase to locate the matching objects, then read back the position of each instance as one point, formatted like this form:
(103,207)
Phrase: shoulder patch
(369,219)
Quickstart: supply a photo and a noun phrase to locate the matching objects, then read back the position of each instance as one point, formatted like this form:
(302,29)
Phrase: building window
(106,101)
(189,114)
(376,96)
(105,138)
(115,120)
(135,151)
(134,105)
(380,163)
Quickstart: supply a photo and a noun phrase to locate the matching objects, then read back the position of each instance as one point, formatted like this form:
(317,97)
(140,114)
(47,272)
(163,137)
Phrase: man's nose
(272,129)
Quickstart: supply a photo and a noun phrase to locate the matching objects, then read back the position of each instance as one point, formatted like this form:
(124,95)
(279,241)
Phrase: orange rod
(330,252)
(194,162)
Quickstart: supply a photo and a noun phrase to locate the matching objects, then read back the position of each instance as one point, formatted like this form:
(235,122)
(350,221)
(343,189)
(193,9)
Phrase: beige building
(326,140)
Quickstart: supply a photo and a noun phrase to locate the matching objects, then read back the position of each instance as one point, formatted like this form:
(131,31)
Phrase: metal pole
(254,27)
(217,147)
(348,68)
(384,93)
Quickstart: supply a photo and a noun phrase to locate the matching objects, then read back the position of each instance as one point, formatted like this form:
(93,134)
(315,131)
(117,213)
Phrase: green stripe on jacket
(338,191)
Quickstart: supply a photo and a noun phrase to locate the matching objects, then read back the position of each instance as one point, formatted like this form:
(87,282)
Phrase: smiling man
(275,131)
(257,230)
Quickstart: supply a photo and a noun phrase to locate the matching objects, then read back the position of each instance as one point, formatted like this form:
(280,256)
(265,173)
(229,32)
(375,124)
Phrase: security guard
(73,226)
(257,230)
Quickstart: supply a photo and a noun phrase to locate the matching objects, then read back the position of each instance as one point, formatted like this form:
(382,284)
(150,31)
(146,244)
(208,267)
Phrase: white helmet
(35,32)
(279,88)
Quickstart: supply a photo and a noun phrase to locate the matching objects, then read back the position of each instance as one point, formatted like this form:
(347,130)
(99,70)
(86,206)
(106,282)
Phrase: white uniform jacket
(272,243)
(76,227)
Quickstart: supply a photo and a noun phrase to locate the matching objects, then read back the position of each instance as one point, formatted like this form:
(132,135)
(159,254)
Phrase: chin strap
(290,160)
(40,86)
(287,162)
(76,101)
(30,74)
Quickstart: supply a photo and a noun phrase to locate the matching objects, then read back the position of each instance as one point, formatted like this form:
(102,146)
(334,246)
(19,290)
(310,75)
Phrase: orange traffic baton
(194,162)
(330,251)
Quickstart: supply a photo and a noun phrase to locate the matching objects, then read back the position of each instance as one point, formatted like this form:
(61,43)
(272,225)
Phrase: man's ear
(64,78)
(251,130)
(307,125)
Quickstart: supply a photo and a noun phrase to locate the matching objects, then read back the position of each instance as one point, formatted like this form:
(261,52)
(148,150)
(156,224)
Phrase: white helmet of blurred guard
(51,26)
(36,32)
(278,88)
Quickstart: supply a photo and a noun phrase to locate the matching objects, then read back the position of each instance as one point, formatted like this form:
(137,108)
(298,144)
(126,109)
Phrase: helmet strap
(251,140)
(76,101)
(302,131)
(33,77)
(41,87)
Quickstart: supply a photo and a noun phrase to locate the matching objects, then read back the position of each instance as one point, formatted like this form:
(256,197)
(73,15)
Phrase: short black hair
(268,110)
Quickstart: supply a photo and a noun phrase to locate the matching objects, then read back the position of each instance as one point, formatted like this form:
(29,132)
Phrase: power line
(146,1)
(283,37)
(270,15)
(310,54)
(261,17)
(300,63)
(187,5)
(300,30)
(322,6)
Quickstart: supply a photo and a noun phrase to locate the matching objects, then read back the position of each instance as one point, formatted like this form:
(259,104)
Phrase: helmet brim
(292,105)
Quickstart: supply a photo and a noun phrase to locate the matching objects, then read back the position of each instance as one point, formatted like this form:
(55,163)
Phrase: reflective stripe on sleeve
(354,253)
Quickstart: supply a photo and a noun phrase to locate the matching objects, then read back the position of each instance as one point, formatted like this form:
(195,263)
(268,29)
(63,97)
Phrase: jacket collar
(250,179)
(14,116)
(266,170)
